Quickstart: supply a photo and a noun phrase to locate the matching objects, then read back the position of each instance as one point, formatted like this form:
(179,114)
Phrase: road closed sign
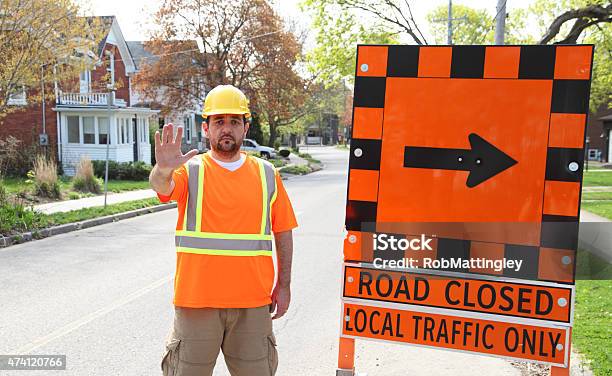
(545,344)
(463,198)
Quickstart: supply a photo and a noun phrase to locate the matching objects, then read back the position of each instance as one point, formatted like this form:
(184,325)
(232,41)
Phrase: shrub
(123,171)
(44,177)
(15,217)
(277,162)
(3,194)
(296,170)
(85,180)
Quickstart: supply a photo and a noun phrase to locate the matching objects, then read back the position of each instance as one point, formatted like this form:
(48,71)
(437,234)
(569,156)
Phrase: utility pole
(449,22)
(500,22)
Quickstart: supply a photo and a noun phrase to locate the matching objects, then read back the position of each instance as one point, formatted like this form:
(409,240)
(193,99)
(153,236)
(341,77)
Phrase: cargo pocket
(272,354)
(170,359)
(197,356)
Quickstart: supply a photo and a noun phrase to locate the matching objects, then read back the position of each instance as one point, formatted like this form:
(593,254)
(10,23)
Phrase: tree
(339,28)
(279,90)
(42,41)
(476,26)
(245,44)
(591,24)
(227,31)
(583,17)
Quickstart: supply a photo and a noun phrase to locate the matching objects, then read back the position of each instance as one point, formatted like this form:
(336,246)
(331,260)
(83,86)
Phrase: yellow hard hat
(226,99)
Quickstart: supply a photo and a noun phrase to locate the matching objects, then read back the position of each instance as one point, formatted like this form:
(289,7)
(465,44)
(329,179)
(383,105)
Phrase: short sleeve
(283,218)
(179,194)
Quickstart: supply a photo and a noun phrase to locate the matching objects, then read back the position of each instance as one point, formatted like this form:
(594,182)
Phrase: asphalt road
(103,296)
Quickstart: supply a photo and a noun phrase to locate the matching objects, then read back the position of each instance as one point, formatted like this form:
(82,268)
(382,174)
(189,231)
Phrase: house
(85,114)
(599,134)
(190,119)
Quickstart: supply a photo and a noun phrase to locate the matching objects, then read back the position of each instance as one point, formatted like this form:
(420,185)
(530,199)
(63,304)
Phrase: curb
(6,241)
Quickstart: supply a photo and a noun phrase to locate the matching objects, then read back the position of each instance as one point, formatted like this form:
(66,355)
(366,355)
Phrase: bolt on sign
(470,153)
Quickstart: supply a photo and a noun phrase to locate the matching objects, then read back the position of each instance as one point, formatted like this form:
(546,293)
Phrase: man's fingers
(280,312)
(168,133)
(179,136)
(157,140)
(164,135)
(190,154)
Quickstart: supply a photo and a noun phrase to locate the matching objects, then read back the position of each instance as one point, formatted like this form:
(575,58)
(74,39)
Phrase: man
(229,204)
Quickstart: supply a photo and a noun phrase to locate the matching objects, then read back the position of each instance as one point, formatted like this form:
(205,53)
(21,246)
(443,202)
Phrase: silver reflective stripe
(192,198)
(271,184)
(224,244)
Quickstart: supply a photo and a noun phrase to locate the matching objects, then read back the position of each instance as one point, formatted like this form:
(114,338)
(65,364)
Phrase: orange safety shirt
(232,204)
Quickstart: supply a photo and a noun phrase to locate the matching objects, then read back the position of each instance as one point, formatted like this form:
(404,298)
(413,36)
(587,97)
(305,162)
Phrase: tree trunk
(293,141)
(273,134)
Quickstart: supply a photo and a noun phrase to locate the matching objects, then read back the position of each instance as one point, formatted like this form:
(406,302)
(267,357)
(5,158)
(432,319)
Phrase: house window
(18,97)
(85,82)
(74,133)
(89,130)
(103,126)
(111,68)
(187,124)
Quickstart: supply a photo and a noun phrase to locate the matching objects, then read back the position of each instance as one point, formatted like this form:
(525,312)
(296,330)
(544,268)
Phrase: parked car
(264,151)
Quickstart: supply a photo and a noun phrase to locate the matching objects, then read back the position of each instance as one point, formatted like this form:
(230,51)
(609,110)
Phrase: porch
(86,131)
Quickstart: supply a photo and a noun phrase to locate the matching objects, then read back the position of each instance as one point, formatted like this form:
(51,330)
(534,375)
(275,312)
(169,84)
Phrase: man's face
(225,133)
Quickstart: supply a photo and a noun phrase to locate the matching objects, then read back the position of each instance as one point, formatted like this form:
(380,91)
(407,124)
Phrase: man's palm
(168,155)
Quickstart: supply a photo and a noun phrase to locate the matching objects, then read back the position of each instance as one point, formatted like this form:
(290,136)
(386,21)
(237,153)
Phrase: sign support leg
(346,357)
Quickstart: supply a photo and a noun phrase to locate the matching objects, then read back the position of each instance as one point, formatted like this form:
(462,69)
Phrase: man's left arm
(281,296)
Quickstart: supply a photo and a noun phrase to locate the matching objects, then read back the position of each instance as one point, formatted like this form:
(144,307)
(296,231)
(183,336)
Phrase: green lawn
(19,219)
(597,195)
(602,208)
(592,333)
(16,185)
(597,178)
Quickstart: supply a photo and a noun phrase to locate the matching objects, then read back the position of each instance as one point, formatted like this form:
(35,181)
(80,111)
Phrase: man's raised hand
(168,155)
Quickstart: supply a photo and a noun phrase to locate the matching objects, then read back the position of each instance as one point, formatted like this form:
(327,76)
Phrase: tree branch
(596,12)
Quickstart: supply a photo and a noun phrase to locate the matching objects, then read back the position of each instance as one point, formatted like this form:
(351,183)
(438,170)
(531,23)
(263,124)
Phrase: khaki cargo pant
(244,334)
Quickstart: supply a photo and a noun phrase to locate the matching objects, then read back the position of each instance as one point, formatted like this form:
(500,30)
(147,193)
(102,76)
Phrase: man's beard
(226,146)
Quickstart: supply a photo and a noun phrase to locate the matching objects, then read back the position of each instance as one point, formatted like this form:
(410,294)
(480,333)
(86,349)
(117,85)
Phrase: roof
(138,52)
(607,117)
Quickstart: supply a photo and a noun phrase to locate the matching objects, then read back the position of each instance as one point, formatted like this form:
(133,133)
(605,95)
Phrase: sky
(134,16)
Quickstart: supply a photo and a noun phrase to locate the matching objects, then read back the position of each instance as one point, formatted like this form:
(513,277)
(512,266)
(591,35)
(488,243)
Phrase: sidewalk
(88,202)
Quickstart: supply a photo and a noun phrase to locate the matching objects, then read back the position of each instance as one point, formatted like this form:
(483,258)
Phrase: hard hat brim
(226,111)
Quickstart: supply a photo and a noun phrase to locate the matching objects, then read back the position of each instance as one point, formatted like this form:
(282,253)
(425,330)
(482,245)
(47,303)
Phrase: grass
(597,178)
(597,195)
(308,157)
(602,208)
(296,170)
(16,219)
(16,185)
(592,333)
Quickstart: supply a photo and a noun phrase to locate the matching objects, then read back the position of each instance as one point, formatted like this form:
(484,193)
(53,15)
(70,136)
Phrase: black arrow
(483,160)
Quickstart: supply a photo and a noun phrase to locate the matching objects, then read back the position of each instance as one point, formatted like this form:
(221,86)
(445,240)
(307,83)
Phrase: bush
(44,177)
(3,194)
(16,217)
(296,170)
(123,171)
(277,162)
(84,180)
(17,159)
